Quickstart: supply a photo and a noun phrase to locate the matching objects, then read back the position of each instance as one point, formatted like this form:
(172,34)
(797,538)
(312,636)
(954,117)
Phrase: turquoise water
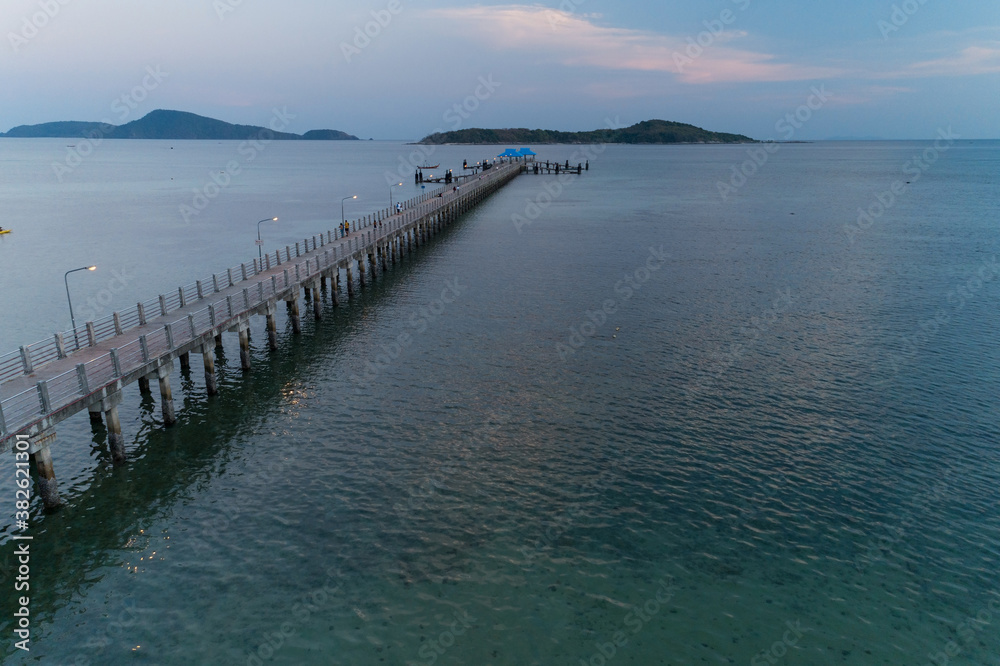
(772,445)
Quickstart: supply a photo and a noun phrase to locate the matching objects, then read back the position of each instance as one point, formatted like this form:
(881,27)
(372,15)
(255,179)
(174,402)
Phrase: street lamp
(390,193)
(343,218)
(260,243)
(70,301)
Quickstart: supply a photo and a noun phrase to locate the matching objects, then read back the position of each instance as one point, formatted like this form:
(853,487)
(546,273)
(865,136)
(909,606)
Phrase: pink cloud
(576,41)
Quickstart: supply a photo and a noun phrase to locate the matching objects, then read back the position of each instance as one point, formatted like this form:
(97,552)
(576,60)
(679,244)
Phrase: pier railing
(29,358)
(261,280)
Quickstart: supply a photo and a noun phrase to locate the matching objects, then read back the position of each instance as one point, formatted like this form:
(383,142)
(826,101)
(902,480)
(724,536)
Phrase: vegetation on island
(646,132)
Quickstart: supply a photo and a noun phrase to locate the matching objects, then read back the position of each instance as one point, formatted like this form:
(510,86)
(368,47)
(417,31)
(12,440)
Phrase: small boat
(428,166)
(4,231)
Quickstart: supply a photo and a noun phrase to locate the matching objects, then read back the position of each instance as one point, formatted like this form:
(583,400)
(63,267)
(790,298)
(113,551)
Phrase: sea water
(695,406)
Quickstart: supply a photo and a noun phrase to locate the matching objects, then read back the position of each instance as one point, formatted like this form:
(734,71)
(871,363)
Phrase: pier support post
(144,386)
(335,287)
(48,488)
(244,347)
(116,441)
(166,396)
(361,272)
(96,416)
(385,257)
(272,328)
(185,362)
(218,340)
(317,304)
(306,294)
(211,380)
(293,314)
(350,283)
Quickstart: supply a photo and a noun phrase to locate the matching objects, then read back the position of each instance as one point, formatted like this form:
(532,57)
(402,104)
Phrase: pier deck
(87,368)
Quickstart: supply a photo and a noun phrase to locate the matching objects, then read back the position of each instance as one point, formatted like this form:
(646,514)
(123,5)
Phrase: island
(173,125)
(646,132)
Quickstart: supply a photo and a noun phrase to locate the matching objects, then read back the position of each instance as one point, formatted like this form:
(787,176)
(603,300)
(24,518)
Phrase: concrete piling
(244,331)
(272,328)
(293,314)
(166,395)
(211,381)
(116,441)
(48,487)
(317,304)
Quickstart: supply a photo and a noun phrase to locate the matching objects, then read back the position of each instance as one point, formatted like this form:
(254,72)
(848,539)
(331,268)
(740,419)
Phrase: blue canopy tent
(526,153)
(509,153)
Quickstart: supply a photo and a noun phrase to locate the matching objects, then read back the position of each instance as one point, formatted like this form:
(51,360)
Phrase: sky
(401,69)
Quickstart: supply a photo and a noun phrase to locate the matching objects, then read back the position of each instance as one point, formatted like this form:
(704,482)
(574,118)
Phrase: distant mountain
(647,132)
(173,125)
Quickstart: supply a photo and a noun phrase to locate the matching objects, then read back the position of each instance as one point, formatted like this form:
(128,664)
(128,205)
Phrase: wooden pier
(88,368)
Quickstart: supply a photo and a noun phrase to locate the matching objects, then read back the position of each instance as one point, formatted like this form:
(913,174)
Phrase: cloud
(867,94)
(576,41)
(970,61)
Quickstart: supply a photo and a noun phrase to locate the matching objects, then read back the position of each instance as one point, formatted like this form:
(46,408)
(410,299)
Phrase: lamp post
(70,300)
(260,243)
(390,193)
(343,218)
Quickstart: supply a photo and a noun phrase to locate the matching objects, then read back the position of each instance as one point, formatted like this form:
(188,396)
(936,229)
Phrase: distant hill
(174,125)
(328,135)
(647,132)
